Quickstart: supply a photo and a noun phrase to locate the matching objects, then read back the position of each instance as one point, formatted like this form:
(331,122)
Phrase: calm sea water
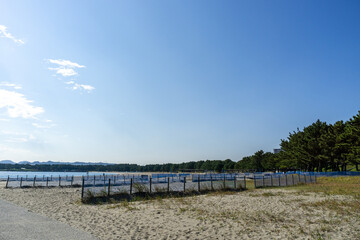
(12,174)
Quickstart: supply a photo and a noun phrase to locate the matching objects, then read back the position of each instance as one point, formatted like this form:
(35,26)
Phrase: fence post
(244,182)
(7,182)
(72,180)
(235,182)
(47,181)
(271,180)
(292,176)
(59,181)
(150,184)
(50,177)
(168,189)
(26,178)
(211,183)
(299,178)
(286,183)
(20,182)
(34,181)
(109,187)
(198,183)
(224,181)
(315,178)
(184,184)
(82,188)
(255,181)
(263,181)
(131,185)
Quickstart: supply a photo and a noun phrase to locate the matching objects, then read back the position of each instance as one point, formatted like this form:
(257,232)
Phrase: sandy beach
(253,214)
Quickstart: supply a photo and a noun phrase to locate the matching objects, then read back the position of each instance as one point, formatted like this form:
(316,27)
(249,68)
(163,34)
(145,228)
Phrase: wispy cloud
(43,126)
(66,68)
(4,33)
(17,105)
(76,86)
(17,137)
(12,85)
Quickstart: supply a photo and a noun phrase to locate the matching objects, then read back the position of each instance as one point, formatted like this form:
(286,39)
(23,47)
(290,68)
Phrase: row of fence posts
(286,180)
(34,181)
(168,185)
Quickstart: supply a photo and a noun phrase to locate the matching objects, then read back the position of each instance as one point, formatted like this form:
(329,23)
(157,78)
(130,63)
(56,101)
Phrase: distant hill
(55,163)
(6,162)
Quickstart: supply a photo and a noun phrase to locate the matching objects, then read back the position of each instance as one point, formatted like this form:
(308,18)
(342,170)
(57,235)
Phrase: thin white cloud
(65,72)
(12,85)
(18,137)
(87,88)
(64,68)
(5,34)
(67,68)
(16,105)
(66,63)
(43,126)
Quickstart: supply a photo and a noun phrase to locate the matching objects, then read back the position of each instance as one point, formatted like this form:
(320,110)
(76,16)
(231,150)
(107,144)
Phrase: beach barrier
(277,180)
(163,183)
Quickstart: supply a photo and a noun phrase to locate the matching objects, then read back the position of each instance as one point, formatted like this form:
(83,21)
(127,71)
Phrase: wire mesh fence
(275,180)
(164,183)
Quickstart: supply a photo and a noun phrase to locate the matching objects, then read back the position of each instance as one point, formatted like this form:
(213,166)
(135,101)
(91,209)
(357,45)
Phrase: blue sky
(171,81)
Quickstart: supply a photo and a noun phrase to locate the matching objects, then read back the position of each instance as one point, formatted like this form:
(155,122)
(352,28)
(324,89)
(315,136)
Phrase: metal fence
(171,183)
(276,180)
(42,181)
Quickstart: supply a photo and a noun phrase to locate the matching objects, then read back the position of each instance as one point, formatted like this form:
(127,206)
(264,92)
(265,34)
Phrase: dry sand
(258,214)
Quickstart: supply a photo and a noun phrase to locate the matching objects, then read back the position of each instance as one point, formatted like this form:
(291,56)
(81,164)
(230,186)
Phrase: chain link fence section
(276,180)
(106,186)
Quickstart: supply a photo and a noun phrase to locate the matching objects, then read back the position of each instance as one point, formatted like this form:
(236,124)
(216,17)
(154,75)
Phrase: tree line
(318,147)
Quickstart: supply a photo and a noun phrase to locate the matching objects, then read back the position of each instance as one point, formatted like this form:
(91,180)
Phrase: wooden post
(211,183)
(184,184)
(59,181)
(94,181)
(47,181)
(244,182)
(82,188)
(286,183)
(263,181)
(168,187)
(7,182)
(131,185)
(109,187)
(310,177)
(66,178)
(298,178)
(255,181)
(26,178)
(315,178)
(199,183)
(235,181)
(34,181)
(43,177)
(150,184)
(271,180)
(20,182)
(224,181)
(292,176)
(72,180)
(50,177)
